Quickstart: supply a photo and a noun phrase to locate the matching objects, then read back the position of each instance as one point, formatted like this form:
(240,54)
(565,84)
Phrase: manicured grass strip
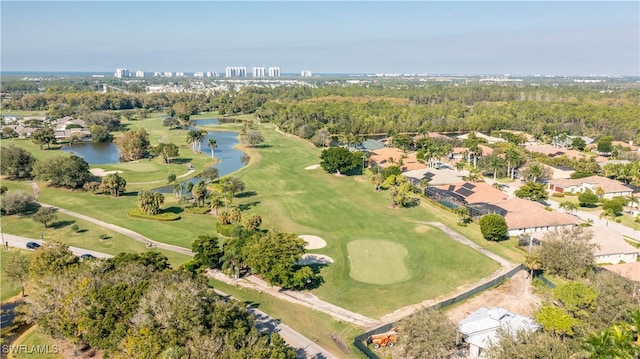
(377,261)
(88,236)
(343,209)
(316,326)
(9,289)
(36,345)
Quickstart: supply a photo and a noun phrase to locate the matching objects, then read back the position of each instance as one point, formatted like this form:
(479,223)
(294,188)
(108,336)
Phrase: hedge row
(168,216)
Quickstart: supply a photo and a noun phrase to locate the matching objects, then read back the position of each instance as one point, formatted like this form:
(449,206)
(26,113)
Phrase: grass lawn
(37,346)
(88,236)
(574,199)
(9,289)
(315,325)
(344,209)
(377,262)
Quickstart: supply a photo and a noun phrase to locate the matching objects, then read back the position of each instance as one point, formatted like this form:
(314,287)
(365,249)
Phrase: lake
(230,159)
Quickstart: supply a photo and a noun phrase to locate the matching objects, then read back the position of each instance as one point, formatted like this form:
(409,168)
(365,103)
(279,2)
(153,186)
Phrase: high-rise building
(120,73)
(168,74)
(157,74)
(139,73)
(306,73)
(198,74)
(236,71)
(258,72)
(274,72)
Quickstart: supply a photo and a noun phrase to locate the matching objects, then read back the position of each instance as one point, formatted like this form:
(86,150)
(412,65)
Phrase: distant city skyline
(517,37)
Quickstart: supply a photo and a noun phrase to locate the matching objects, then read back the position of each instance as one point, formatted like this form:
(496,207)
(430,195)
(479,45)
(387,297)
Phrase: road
(304,347)
(21,242)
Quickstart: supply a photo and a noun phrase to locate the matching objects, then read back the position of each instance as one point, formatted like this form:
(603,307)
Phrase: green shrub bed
(167,216)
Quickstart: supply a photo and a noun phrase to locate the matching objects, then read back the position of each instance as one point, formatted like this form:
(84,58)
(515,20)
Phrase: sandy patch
(311,258)
(313,242)
(312,167)
(101,173)
(516,295)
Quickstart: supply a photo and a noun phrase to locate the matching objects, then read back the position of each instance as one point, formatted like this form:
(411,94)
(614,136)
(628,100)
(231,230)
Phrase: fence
(359,340)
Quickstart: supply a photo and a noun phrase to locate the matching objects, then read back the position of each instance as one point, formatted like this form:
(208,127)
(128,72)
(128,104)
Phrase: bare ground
(516,295)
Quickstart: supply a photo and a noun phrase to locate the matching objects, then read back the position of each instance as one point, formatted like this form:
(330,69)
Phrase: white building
(258,72)
(157,74)
(306,73)
(179,74)
(139,73)
(168,74)
(479,329)
(198,74)
(274,72)
(121,73)
(236,71)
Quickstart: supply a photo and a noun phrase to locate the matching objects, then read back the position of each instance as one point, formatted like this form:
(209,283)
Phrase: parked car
(33,245)
(87,256)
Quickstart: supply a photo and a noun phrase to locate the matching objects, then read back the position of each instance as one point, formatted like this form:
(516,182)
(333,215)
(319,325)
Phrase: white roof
(481,326)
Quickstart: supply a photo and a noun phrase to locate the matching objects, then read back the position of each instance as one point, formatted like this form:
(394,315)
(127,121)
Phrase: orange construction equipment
(387,339)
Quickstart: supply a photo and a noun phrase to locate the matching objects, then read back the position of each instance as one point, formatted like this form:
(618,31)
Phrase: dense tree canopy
(63,171)
(567,252)
(340,160)
(493,227)
(16,162)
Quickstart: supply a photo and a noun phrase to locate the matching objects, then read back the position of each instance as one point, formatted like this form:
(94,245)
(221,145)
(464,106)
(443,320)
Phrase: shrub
(226,230)
(75,228)
(493,227)
(103,236)
(197,210)
(557,194)
(167,216)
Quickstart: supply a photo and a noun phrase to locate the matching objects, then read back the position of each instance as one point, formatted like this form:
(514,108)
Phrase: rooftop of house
(476,192)
(489,139)
(610,241)
(626,145)
(607,184)
(523,213)
(481,326)
(437,176)
(430,135)
(552,151)
(630,271)
(381,158)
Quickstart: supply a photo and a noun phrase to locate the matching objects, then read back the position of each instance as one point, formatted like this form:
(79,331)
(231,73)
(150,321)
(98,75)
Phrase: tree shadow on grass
(181,161)
(61,224)
(129,194)
(172,209)
(246,194)
(247,206)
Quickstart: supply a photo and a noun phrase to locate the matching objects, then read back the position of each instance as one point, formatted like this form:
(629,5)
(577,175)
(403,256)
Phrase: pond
(229,158)
(95,153)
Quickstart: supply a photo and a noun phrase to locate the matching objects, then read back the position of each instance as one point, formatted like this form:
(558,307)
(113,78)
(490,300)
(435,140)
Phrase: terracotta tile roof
(615,143)
(628,270)
(555,151)
(481,192)
(381,158)
(607,184)
(524,213)
(610,241)
(431,135)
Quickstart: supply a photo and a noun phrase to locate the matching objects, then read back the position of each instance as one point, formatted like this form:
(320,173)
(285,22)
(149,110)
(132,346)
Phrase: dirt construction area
(516,295)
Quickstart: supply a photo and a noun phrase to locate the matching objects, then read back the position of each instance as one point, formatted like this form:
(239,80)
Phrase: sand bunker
(313,242)
(311,258)
(312,167)
(101,173)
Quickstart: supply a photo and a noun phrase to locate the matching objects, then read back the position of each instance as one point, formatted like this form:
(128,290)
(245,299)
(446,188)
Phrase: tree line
(136,306)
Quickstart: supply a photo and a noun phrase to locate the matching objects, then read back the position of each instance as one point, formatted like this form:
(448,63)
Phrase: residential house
(388,156)
(630,271)
(611,246)
(521,215)
(560,172)
(435,176)
(552,151)
(612,188)
(481,327)
(490,139)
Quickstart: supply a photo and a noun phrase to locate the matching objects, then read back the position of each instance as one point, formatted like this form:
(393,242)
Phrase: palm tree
(463,213)
(459,166)
(532,261)
(513,160)
(569,206)
(213,144)
(195,139)
(474,176)
(608,214)
(493,163)
(599,192)
(377,181)
(598,345)
(178,188)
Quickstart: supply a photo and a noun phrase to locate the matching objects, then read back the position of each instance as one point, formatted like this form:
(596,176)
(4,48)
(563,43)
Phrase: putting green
(377,261)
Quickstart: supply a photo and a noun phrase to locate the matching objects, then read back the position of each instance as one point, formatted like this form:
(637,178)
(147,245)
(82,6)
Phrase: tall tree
(150,202)
(428,334)
(195,139)
(45,215)
(16,162)
(43,136)
(567,252)
(166,151)
(212,144)
(114,184)
(16,268)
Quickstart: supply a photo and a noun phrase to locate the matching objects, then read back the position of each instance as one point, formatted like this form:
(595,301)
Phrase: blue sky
(515,37)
